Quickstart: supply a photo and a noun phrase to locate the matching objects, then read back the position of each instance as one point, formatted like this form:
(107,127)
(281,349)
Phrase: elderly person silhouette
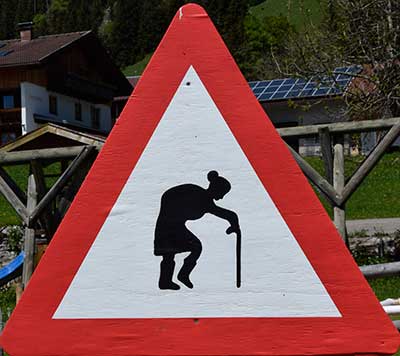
(178,205)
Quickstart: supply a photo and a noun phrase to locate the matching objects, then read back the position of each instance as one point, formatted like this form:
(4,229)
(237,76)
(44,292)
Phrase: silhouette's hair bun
(212,176)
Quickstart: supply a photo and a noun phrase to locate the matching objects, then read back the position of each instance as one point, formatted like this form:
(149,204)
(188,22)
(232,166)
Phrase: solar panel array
(293,88)
(4,52)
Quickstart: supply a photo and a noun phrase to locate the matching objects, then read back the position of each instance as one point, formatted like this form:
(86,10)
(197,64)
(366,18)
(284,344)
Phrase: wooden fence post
(29,243)
(339,216)
(326,151)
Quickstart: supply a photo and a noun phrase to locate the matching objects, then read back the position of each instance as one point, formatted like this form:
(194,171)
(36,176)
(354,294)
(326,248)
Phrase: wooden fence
(334,187)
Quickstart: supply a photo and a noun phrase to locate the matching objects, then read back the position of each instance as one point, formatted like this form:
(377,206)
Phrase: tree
(261,37)
(354,32)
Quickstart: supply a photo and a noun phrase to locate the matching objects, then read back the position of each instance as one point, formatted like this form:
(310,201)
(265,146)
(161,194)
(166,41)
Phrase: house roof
(16,52)
(133,80)
(51,136)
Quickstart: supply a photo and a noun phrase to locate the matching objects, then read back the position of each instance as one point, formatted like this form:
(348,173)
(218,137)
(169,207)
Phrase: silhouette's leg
(189,264)
(167,266)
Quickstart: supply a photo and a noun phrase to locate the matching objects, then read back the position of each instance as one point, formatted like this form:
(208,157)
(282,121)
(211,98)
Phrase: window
(78,111)
(8,102)
(53,105)
(95,116)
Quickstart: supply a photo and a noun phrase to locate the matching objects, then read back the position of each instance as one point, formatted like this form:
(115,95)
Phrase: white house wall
(325,111)
(35,100)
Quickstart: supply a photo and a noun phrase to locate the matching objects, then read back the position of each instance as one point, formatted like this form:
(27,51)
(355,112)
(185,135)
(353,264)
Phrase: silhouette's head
(219,186)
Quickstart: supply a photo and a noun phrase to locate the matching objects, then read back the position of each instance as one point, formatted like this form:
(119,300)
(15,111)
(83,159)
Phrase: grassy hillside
(299,12)
(137,68)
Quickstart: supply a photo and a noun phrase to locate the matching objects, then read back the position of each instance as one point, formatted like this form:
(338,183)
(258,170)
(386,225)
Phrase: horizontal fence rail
(340,127)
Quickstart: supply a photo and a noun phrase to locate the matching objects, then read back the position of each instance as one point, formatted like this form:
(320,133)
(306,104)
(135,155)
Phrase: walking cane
(238,258)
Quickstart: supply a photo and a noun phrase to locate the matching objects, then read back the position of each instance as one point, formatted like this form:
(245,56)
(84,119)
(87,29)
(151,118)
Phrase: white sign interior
(119,276)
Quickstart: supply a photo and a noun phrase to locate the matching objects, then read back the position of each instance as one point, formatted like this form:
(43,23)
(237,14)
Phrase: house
(298,102)
(67,79)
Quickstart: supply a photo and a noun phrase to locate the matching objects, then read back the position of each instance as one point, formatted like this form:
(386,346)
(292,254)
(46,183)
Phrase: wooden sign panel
(196,233)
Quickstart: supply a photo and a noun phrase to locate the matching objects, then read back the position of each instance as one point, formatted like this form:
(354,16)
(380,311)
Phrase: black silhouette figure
(178,205)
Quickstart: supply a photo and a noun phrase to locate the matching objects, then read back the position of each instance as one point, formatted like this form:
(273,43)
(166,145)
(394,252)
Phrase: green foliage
(129,41)
(262,36)
(40,24)
(14,239)
(299,13)
(7,301)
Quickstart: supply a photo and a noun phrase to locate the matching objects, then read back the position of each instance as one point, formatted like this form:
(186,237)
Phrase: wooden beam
(339,215)
(370,162)
(13,185)
(24,139)
(47,217)
(46,153)
(29,241)
(326,151)
(73,188)
(86,139)
(60,183)
(13,199)
(321,183)
(340,127)
(381,270)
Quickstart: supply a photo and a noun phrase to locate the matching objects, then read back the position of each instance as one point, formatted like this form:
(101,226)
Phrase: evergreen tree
(125,31)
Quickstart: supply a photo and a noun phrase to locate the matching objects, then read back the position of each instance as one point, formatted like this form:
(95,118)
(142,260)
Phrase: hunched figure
(178,205)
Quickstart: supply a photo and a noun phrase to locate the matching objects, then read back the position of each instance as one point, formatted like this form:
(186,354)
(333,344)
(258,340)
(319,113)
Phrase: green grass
(300,12)
(7,301)
(388,287)
(137,68)
(7,214)
(379,194)
(20,175)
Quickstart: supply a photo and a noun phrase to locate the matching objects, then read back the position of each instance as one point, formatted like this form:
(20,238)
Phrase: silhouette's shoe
(168,285)
(185,280)
(184,273)
(166,273)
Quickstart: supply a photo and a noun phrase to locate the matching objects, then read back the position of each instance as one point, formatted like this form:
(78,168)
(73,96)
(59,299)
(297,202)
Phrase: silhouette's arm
(226,215)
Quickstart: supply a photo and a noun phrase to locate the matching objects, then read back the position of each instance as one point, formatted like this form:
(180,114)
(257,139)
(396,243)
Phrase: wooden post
(338,185)
(18,291)
(321,183)
(370,162)
(61,182)
(326,151)
(46,217)
(29,243)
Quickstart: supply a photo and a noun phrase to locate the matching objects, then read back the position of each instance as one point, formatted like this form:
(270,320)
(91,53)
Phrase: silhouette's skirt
(171,238)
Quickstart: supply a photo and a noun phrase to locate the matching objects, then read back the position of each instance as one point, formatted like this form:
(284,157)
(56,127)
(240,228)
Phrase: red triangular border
(193,40)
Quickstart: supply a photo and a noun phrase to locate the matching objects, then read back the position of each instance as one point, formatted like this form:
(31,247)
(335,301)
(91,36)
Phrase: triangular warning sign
(195,232)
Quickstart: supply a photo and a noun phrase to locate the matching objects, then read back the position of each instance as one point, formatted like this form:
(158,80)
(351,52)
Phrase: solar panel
(291,88)
(2,45)
(4,53)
